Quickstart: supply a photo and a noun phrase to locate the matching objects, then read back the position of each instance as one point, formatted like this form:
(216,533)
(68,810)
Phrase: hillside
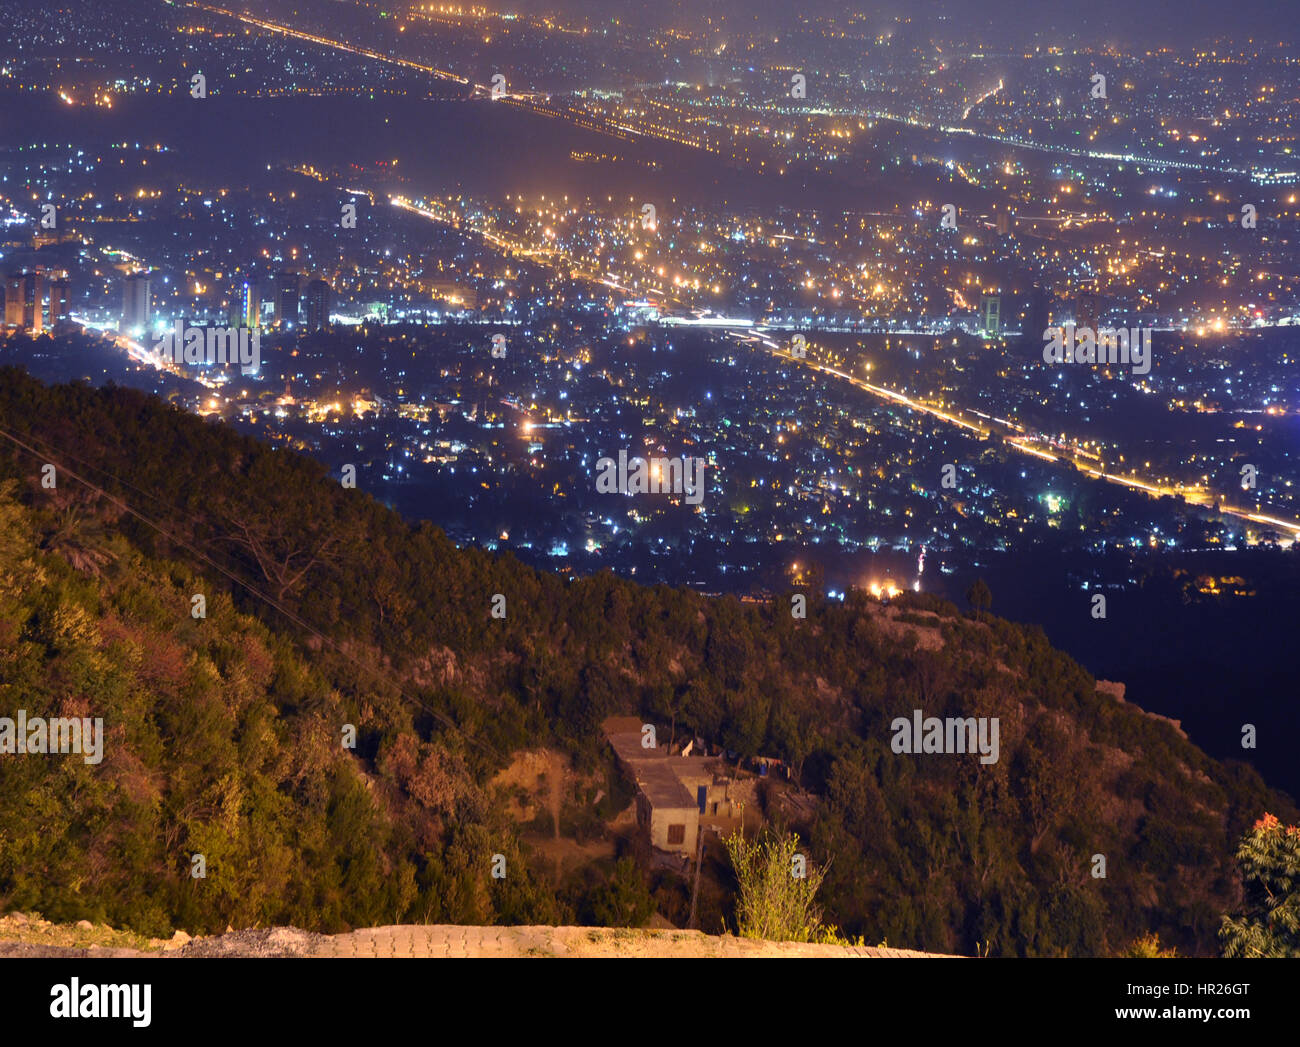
(223,735)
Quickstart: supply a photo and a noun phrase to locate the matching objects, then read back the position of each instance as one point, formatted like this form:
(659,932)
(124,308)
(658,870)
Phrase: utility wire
(257,593)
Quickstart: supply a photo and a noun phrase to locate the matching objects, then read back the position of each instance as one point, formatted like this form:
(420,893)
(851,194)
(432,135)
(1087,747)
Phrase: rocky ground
(29,936)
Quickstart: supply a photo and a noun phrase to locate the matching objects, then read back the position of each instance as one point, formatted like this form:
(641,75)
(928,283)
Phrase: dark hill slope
(325,608)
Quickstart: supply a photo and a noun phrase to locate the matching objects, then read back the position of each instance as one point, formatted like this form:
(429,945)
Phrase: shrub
(773,903)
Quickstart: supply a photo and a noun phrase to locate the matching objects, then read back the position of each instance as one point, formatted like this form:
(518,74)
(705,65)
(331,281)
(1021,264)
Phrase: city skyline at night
(659,441)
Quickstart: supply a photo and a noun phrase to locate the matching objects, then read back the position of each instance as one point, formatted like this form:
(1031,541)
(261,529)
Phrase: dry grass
(31,929)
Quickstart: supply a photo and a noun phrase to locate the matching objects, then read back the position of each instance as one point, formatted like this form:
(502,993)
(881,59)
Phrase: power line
(257,593)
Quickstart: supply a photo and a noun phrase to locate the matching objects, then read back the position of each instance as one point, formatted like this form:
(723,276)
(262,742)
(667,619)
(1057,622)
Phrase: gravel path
(445,940)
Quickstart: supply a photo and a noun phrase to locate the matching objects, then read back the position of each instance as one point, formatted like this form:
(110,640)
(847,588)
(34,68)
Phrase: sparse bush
(1147,947)
(773,903)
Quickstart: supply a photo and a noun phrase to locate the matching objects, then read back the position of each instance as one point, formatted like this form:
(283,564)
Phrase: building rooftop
(656,771)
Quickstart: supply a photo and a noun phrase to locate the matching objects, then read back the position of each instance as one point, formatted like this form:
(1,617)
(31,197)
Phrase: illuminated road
(659,131)
(981,99)
(133,348)
(547,256)
(1011,435)
(149,357)
(340,45)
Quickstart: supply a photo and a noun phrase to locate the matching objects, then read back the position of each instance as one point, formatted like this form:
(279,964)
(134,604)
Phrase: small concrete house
(673,792)
(665,808)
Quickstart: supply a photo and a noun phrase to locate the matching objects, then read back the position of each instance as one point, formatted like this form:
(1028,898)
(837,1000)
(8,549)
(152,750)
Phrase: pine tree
(980,597)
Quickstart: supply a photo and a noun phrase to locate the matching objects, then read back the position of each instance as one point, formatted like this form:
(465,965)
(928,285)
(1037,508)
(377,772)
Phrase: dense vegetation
(325,608)
(1270,924)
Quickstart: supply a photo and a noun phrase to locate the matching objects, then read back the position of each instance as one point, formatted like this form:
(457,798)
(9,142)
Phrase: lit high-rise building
(25,300)
(251,299)
(137,305)
(1036,315)
(14,299)
(318,305)
(60,300)
(286,300)
(1087,309)
(991,316)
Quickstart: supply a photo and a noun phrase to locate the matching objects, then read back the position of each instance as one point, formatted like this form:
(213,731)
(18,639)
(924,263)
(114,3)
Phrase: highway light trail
(338,45)
(1024,445)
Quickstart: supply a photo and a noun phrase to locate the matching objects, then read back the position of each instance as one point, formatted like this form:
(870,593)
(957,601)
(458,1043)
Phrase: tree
(748,729)
(624,901)
(774,903)
(1270,864)
(791,737)
(281,559)
(979,597)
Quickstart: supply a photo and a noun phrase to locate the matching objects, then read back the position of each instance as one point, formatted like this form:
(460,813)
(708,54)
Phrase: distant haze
(1128,22)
